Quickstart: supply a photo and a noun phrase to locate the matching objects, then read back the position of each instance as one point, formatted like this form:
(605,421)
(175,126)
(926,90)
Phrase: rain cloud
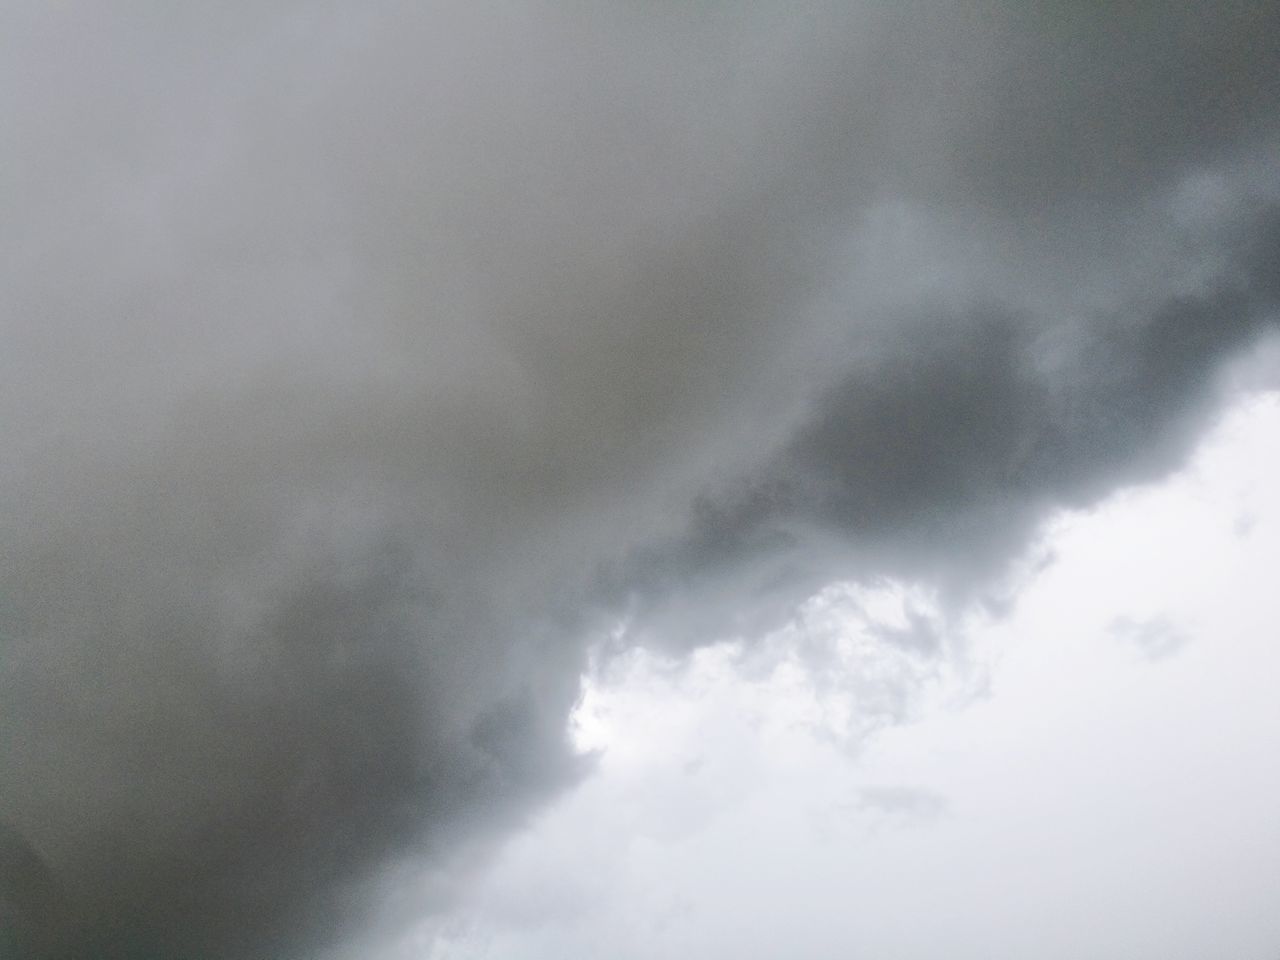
(361,363)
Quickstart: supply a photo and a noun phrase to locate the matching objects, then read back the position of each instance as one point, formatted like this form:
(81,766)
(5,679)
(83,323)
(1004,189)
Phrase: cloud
(29,896)
(907,803)
(1155,639)
(951,436)
(360,366)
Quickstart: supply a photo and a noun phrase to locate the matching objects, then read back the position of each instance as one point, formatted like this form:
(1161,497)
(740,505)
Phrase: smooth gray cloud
(358,361)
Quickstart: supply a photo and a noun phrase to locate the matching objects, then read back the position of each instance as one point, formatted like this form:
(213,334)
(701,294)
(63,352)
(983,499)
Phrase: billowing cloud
(359,361)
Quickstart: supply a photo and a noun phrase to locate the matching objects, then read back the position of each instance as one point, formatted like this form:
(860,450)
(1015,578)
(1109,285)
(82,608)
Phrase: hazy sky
(378,380)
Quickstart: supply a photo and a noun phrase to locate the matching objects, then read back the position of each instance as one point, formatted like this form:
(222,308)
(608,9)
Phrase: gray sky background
(366,367)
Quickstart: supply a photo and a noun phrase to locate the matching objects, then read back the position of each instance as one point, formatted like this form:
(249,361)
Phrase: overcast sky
(638,479)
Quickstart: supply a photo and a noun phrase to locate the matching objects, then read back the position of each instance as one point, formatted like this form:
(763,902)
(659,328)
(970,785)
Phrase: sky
(1095,776)
(550,479)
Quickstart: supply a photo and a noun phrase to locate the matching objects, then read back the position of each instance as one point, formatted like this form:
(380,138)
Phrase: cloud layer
(360,362)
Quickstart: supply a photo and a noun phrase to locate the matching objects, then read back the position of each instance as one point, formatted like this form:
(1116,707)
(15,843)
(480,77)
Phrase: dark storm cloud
(949,439)
(1096,103)
(348,350)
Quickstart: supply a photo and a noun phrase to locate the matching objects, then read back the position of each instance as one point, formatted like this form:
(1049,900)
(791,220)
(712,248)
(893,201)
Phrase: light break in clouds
(369,370)
(1066,790)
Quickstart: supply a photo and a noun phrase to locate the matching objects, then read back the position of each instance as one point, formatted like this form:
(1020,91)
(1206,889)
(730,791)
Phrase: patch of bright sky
(1096,774)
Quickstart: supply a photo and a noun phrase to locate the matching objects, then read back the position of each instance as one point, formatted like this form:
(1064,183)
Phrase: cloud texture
(361,362)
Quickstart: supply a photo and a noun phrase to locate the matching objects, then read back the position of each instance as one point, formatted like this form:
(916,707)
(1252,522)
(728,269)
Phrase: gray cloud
(949,438)
(357,358)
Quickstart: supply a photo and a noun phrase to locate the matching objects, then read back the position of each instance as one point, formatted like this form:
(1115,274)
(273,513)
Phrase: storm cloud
(362,364)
